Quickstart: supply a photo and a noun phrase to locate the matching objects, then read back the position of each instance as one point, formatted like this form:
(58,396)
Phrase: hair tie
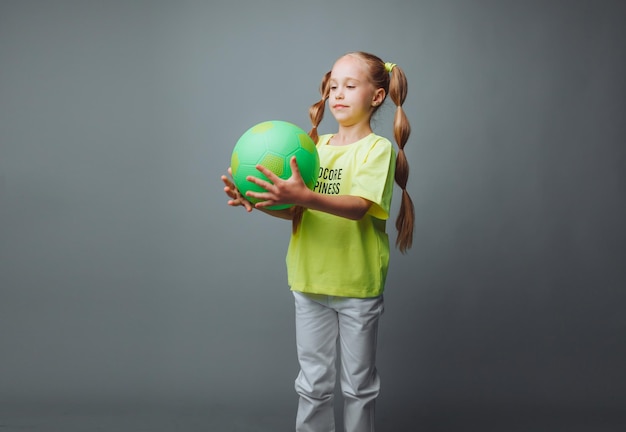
(389,67)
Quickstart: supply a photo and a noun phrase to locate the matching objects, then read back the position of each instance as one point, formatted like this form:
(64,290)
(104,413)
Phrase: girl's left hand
(279,191)
(236,199)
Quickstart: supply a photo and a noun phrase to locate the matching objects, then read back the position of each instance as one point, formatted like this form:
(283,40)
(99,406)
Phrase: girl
(338,254)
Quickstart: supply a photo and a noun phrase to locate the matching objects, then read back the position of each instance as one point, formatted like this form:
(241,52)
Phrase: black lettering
(329,188)
(330,174)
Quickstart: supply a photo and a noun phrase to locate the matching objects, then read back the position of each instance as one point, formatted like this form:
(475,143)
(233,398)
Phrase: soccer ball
(272,144)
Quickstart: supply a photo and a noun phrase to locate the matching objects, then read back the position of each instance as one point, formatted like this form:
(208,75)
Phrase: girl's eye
(351,86)
(333,87)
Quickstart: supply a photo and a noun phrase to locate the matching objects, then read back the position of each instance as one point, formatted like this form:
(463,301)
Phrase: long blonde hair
(395,85)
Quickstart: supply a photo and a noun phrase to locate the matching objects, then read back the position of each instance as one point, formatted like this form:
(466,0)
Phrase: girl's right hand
(236,199)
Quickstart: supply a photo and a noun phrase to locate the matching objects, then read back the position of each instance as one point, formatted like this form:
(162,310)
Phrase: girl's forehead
(349,67)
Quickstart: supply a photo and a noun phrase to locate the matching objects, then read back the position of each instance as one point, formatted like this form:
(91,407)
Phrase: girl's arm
(346,206)
(282,213)
(294,191)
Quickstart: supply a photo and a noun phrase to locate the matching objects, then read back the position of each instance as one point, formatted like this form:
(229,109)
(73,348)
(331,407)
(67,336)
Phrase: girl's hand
(279,191)
(236,199)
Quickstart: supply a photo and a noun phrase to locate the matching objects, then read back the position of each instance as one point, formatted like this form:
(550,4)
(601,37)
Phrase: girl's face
(352,97)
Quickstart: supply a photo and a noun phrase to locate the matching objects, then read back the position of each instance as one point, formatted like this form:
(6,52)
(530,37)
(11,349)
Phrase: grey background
(133,298)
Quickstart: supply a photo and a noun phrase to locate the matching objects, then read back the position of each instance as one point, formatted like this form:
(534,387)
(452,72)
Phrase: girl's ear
(379,97)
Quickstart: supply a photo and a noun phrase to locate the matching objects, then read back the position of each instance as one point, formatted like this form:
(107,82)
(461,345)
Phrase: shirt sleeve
(375,176)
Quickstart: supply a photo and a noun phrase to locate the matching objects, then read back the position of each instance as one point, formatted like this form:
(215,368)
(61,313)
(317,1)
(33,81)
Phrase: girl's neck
(349,135)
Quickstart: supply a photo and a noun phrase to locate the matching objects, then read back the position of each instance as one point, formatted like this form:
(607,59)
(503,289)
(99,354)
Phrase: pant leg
(316,339)
(360,383)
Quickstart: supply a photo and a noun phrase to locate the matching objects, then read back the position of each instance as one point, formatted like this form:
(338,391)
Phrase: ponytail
(401,131)
(316,111)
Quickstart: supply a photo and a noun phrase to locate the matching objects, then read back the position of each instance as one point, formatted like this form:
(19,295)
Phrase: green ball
(272,144)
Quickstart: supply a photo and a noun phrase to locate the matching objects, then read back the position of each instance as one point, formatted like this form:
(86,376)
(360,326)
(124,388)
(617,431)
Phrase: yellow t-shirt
(336,256)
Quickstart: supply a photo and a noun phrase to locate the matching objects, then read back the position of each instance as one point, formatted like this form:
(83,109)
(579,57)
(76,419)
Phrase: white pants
(321,321)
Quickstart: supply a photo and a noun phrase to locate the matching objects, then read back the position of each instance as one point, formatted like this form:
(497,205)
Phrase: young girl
(338,254)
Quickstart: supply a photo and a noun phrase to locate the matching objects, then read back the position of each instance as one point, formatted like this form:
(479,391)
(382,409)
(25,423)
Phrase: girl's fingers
(260,182)
(295,171)
(236,199)
(247,205)
(269,174)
